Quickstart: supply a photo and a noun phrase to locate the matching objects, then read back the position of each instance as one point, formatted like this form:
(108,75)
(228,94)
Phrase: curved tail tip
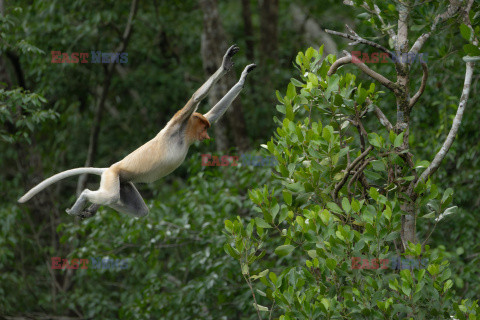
(22,199)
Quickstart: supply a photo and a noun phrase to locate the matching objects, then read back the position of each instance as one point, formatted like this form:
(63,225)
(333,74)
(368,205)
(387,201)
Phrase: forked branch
(348,170)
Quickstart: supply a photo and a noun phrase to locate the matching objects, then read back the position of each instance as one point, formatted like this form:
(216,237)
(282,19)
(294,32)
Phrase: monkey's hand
(227,63)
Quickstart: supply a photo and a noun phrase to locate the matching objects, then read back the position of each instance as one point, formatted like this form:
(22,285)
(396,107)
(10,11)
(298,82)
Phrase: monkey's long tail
(59,176)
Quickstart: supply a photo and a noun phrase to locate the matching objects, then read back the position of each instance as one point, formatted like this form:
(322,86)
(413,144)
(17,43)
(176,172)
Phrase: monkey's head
(199,126)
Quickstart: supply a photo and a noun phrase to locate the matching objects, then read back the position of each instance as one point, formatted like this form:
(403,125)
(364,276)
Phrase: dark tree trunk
(248,29)
(214,46)
(95,130)
(268,30)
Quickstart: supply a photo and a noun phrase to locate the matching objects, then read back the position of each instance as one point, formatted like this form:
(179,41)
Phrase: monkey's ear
(200,117)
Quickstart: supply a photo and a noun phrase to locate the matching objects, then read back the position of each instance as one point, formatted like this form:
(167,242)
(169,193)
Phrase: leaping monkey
(156,158)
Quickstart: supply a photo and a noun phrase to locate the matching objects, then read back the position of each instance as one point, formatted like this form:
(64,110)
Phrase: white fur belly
(172,160)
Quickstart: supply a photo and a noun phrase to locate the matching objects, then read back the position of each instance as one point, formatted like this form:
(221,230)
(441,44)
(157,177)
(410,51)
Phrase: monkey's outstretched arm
(184,114)
(59,176)
(219,109)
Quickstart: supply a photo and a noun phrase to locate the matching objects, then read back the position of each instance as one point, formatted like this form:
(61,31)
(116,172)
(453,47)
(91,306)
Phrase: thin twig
(359,39)
(419,93)
(428,237)
(347,171)
(253,294)
(359,171)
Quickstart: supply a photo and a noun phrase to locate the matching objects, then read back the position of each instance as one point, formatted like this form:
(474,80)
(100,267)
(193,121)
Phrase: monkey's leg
(219,109)
(108,193)
(131,201)
(79,204)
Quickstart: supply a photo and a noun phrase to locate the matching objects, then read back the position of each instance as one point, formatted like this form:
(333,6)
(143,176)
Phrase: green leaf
(283,250)
(262,223)
(229,225)
(374,140)
(471,50)
(291,92)
(422,164)
(287,197)
(346,205)
(378,165)
(398,140)
(465,31)
(406,289)
(244,268)
(448,193)
(325,216)
(392,136)
(327,133)
(275,209)
(273,277)
(231,252)
(355,205)
(429,215)
(448,284)
(260,308)
(387,213)
(361,95)
(392,236)
(331,264)
(296,83)
(283,215)
(373,193)
(279,96)
(334,207)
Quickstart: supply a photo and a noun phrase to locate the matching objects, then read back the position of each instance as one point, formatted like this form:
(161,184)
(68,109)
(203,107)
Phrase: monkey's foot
(227,58)
(250,67)
(89,212)
(247,70)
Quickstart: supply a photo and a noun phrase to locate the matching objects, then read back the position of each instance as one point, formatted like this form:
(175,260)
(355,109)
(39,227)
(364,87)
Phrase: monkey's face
(203,134)
(198,127)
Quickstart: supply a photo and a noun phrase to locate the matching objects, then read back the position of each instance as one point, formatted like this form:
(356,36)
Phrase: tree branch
(362,66)
(359,39)
(453,130)
(357,174)
(452,8)
(419,93)
(382,118)
(347,171)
